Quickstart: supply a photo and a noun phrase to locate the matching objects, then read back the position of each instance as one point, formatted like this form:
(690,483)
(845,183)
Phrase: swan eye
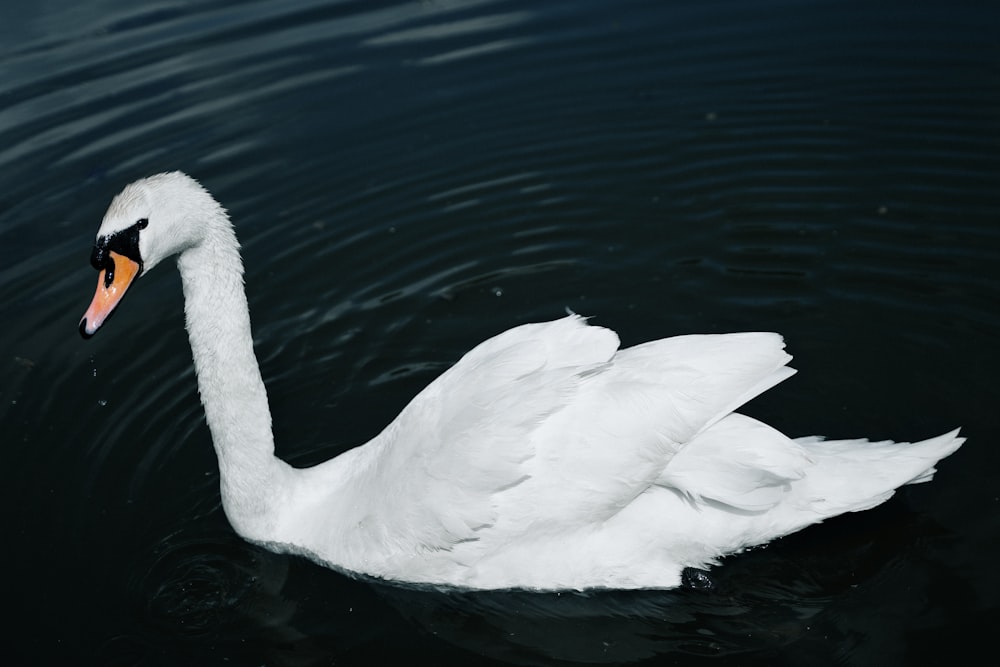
(124,242)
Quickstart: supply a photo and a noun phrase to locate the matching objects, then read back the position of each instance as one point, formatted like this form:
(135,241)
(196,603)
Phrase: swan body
(546,458)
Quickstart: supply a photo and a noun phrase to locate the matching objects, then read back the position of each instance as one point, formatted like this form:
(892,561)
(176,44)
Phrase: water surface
(409,178)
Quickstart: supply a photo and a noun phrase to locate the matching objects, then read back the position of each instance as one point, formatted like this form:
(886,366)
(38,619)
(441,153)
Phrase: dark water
(409,178)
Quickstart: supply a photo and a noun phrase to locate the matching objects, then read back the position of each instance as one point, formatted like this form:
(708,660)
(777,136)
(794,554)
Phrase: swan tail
(750,467)
(856,475)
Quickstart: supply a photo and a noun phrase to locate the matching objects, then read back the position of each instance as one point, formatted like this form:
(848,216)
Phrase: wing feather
(467,436)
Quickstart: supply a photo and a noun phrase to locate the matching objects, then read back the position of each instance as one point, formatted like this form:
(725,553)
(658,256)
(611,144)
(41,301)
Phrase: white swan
(545,458)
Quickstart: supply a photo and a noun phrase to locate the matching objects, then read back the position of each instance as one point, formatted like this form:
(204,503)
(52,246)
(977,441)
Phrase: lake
(410,178)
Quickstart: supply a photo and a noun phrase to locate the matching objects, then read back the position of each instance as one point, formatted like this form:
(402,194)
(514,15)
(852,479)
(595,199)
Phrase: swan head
(150,220)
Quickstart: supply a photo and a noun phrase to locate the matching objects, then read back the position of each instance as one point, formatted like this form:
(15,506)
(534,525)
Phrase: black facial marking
(125,242)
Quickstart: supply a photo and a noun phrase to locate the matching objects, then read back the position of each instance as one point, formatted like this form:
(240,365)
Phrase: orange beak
(110,290)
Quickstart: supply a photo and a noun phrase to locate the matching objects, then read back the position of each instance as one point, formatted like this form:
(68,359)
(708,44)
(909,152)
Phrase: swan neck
(229,380)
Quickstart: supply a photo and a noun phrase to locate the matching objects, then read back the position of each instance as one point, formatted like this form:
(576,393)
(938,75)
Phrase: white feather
(545,458)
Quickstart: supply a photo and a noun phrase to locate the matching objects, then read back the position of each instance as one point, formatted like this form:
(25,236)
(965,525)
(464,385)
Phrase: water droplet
(497,291)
